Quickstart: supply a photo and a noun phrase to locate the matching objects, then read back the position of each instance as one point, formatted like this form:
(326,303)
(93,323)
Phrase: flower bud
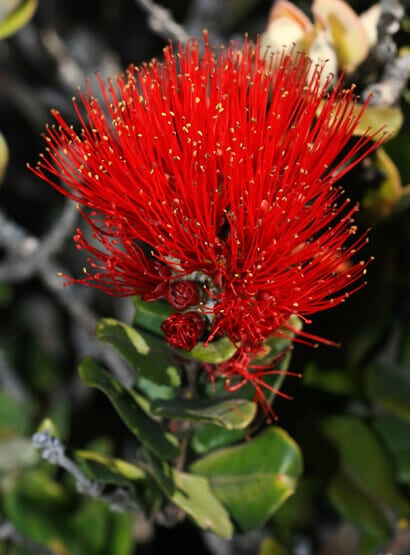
(182,294)
(183,331)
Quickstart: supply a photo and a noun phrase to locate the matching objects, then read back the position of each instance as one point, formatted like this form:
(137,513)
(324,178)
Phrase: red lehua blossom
(214,168)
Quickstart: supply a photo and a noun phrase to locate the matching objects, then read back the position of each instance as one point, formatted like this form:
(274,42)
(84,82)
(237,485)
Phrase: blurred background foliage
(351,410)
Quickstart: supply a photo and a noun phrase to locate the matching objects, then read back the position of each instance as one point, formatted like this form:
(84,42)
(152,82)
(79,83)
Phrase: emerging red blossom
(214,168)
(182,294)
(183,331)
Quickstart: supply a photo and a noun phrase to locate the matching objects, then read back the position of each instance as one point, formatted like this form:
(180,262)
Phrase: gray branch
(388,90)
(9,533)
(27,256)
(53,450)
(396,70)
(160,21)
(26,253)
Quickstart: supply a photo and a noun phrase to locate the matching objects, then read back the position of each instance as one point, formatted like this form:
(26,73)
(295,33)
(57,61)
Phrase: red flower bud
(182,294)
(183,331)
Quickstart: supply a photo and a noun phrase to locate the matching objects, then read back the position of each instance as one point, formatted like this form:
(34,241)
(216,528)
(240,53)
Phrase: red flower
(182,294)
(183,331)
(215,167)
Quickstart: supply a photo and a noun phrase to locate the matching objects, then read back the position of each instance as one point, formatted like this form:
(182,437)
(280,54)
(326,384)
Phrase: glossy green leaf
(389,385)
(148,355)
(110,470)
(214,353)
(15,453)
(232,414)
(194,496)
(131,409)
(207,437)
(395,434)
(14,14)
(363,462)
(4,156)
(252,480)
(150,316)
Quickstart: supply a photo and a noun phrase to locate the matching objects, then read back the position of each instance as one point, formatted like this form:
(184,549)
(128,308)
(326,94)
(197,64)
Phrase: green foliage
(253,479)
(194,496)
(132,408)
(395,434)
(364,488)
(146,354)
(231,414)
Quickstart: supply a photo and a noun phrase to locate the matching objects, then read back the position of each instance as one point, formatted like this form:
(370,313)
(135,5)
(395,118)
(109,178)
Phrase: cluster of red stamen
(208,180)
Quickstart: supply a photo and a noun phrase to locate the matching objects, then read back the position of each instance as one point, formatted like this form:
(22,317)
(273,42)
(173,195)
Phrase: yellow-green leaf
(231,414)
(14,14)
(193,495)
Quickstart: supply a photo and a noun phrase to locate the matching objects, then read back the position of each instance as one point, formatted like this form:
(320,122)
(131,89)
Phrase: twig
(9,533)
(396,70)
(27,256)
(26,253)
(53,450)
(388,90)
(160,21)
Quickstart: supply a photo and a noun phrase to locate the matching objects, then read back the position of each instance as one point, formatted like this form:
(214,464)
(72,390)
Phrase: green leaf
(15,416)
(338,382)
(365,483)
(194,496)
(376,117)
(274,346)
(232,414)
(207,437)
(395,434)
(16,452)
(389,385)
(252,480)
(147,355)
(4,156)
(357,507)
(131,409)
(214,353)
(150,316)
(110,470)
(121,536)
(14,14)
